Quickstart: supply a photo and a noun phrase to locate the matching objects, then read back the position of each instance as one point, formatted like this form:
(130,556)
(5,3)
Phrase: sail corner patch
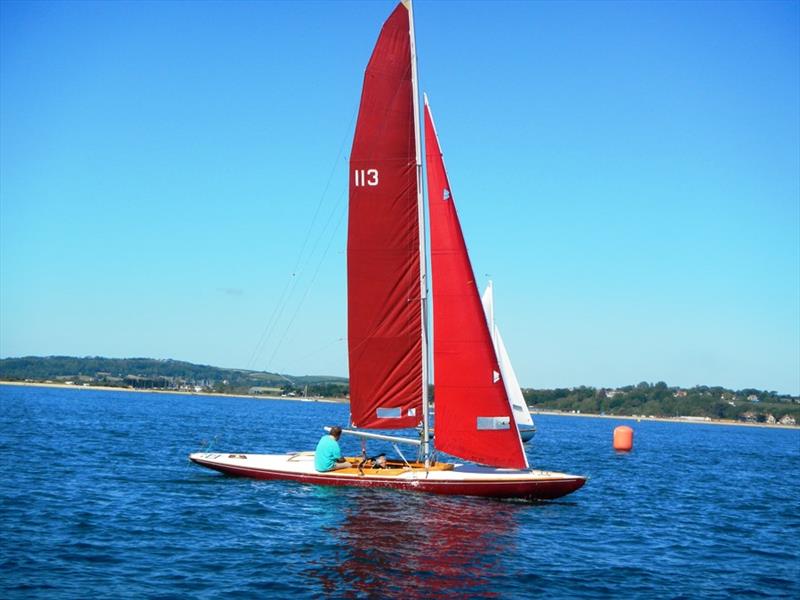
(494,423)
(389,413)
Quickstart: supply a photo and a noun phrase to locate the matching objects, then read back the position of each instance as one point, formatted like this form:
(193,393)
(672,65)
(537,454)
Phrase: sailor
(328,455)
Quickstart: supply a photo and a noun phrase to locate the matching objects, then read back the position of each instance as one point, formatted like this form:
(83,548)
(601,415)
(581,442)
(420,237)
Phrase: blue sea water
(98,500)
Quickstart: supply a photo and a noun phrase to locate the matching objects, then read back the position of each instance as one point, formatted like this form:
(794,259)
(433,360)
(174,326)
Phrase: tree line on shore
(169,375)
(643,399)
(661,400)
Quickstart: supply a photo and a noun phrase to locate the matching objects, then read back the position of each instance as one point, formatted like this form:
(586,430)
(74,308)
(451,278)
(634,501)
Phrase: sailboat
(388,316)
(522,414)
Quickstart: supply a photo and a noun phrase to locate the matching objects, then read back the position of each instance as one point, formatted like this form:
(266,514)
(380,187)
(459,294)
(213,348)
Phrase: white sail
(521,413)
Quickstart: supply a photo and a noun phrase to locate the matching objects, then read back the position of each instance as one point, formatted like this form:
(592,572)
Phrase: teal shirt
(326,453)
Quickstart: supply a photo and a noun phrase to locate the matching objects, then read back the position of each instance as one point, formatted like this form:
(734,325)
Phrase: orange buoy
(623,438)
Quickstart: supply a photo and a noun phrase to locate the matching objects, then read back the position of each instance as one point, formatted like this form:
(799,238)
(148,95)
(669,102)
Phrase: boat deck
(393,468)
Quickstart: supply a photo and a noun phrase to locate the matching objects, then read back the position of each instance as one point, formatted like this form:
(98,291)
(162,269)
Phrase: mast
(426,449)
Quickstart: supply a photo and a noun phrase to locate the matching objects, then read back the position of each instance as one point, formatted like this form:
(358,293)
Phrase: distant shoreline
(109,388)
(692,421)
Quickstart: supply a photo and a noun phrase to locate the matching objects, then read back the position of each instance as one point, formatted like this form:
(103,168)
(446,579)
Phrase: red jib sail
(473,415)
(383,251)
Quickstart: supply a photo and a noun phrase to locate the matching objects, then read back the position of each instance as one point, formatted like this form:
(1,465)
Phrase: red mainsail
(383,247)
(474,420)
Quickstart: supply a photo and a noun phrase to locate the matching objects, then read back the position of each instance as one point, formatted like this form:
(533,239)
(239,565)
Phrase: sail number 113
(366,177)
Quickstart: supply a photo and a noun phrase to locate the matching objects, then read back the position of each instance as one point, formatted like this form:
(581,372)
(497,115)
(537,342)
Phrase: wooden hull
(461,480)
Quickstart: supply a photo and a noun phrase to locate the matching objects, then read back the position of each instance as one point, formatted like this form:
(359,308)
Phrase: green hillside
(148,373)
(660,400)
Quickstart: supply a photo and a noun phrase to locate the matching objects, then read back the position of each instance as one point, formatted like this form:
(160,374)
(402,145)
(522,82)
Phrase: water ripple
(99,499)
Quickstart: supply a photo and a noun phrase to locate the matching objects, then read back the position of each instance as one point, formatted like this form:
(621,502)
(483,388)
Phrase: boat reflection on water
(394,544)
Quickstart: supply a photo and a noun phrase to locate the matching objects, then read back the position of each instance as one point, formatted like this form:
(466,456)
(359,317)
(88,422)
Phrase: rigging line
(336,208)
(291,282)
(279,308)
(311,283)
(267,327)
(288,291)
(321,348)
(314,277)
(291,286)
(327,187)
(334,211)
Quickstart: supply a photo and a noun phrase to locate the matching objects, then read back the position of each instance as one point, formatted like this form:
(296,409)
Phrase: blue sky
(628,173)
